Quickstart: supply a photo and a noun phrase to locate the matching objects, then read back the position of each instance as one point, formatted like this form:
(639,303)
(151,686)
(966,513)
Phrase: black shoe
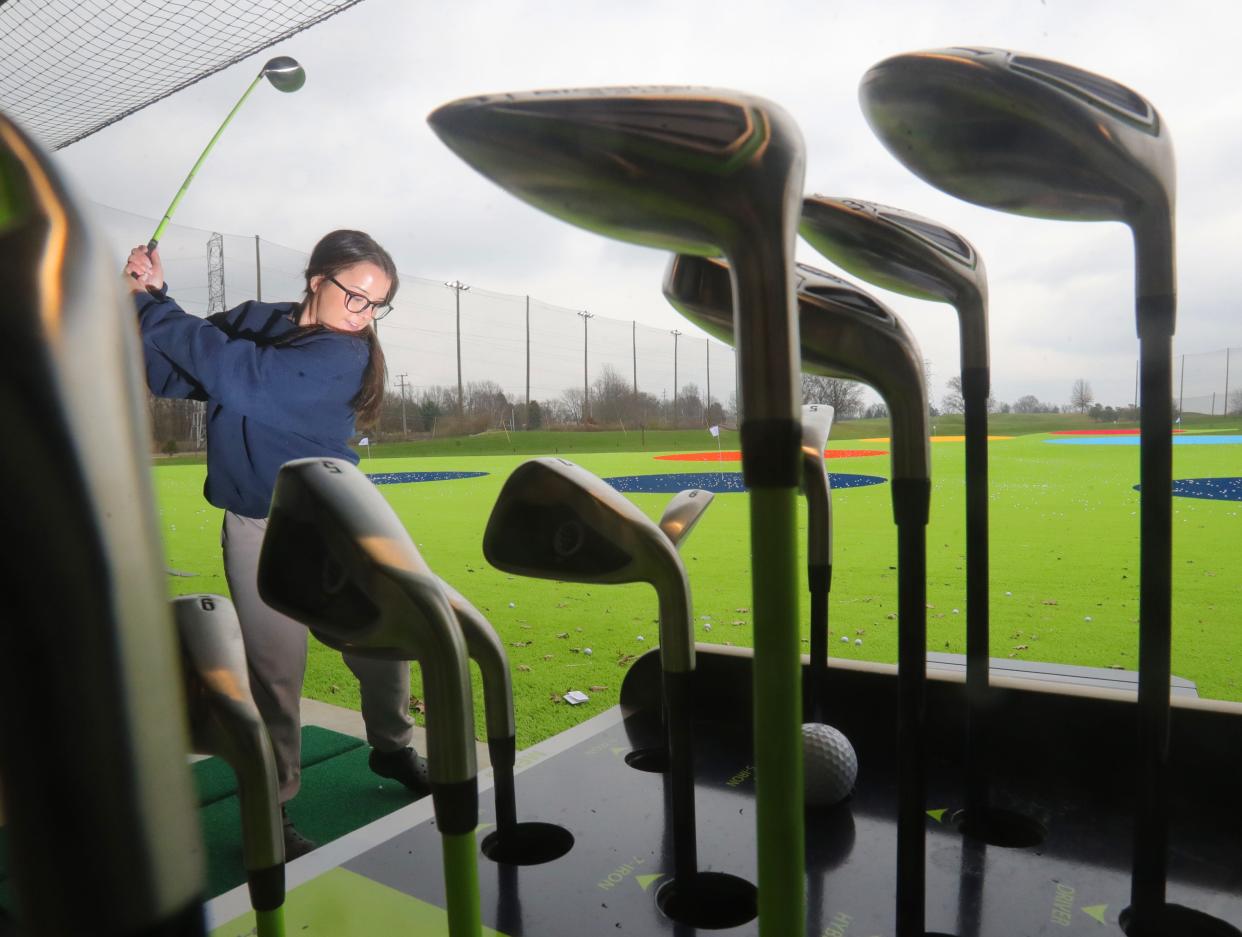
(404,765)
(295,843)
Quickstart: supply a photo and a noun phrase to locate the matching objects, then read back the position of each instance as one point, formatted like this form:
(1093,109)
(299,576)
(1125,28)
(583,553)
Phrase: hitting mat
(339,794)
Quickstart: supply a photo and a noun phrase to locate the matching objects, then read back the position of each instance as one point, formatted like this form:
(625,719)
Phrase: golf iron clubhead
(224,721)
(555,520)
(87,618)
(336,558)
(683,512)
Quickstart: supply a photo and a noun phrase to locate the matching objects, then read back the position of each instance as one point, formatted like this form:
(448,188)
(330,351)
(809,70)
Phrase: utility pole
(401,379)
(675,333)
(527,420)
(457,286)
(586,401)
(634,343)
(258,271)
(707,410)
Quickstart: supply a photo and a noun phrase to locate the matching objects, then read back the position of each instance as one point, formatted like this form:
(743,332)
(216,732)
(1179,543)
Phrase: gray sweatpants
(276,654)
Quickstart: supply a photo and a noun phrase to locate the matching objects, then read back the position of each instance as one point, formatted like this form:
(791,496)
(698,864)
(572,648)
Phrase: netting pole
(457,286)
(586,400)
(708,409)
(527,420)
(258,272)
(676,333)
(1181,388)
(634,343)
(1225,411)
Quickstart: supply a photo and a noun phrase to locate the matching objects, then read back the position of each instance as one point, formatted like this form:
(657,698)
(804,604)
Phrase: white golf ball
(830,764)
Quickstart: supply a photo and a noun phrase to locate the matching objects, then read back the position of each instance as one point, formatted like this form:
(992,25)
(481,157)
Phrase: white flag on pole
(364,441)
(714,430)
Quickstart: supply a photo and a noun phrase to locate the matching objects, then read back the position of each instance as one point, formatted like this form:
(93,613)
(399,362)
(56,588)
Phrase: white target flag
(714,430)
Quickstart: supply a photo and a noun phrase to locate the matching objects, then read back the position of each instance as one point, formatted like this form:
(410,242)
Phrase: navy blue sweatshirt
(267,402)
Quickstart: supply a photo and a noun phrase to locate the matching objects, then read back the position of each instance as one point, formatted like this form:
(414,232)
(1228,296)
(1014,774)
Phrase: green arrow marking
(645,881)
(483,826)
(1096,911)
(938,815)
(619,749)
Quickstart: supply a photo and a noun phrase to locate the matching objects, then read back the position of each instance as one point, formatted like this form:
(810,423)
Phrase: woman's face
(329,295)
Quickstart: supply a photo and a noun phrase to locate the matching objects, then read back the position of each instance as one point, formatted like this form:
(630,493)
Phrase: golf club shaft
(500,751)
(778,700)
(1155,663)
(159,231)
(911,718)
(270,923)
(818,578)
(461,885)
(978,653)
(678,700)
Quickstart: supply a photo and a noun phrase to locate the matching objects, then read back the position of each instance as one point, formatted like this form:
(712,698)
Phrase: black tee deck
(1064,757)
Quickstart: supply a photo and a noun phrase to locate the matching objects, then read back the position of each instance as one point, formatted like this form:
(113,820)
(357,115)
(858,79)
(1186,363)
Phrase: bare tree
(1233,406)
(1081,396)
(845,397)
(952,402)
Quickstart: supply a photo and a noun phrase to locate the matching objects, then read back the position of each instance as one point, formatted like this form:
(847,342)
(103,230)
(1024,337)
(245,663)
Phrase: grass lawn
(1064,523)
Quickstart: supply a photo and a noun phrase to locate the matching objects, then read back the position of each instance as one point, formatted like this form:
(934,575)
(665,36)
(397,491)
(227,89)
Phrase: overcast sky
(353,149)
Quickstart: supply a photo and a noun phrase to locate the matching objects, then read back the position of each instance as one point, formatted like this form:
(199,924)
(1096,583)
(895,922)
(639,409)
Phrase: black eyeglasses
(356,302)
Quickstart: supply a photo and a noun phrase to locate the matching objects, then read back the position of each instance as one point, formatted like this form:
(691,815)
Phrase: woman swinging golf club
(284,381)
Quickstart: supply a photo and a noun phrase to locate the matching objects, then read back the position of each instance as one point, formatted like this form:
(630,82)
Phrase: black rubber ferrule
(911,501)
(819,574)
(1157,315)
(502,751)
(457,806)
(771,453)
(267,887)
(976,383)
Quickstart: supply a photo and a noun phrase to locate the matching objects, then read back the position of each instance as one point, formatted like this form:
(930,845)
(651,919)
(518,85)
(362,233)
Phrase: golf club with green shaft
(709,172)
(336,558)
(285,74)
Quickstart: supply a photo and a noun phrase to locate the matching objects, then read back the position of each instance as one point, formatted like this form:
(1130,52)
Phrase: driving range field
(1064,558)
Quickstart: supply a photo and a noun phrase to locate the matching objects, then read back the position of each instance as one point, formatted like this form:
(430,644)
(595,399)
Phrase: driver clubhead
(702,171)
(1034,137)
(284,74)
(908,254)
(846,333)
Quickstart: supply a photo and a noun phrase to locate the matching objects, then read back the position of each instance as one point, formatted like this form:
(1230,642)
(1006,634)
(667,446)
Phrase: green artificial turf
(1064,555)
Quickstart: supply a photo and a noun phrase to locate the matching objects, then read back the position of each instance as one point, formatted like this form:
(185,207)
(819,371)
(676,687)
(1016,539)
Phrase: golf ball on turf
(830,764)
